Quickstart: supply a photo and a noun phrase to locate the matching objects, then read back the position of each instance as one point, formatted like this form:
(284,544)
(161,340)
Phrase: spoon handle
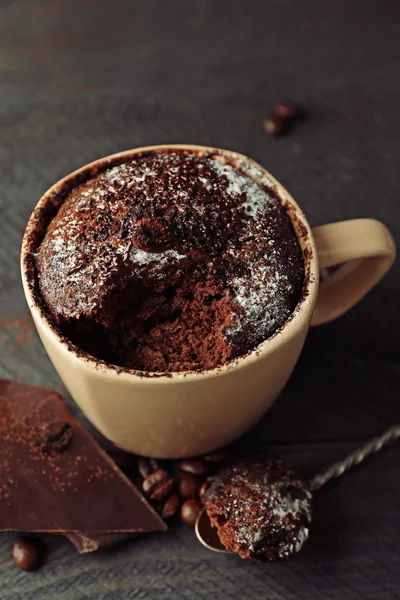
(356,457)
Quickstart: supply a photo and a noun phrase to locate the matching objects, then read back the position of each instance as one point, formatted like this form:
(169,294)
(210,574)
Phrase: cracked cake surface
(170,262)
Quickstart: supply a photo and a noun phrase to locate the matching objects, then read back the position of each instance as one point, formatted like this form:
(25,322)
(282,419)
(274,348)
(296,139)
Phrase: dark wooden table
(81,79)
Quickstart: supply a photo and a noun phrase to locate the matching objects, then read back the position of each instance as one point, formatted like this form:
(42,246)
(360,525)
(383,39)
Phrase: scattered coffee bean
(274,125)
(57,436)
(26,554)
(163,490)
(202,489)
(170,507)
(286,110)
(146,466)
(158,485)
(217,457)
(154,479)
(188,486)
(194,466)
(190,510)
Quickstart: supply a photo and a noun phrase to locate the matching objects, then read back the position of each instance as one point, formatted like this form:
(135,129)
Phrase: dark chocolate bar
(54,477)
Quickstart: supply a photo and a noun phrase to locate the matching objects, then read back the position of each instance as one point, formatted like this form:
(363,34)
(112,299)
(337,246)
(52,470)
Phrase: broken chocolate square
(54,477)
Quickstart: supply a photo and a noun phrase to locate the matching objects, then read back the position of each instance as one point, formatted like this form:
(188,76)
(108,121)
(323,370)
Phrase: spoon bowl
(207,535)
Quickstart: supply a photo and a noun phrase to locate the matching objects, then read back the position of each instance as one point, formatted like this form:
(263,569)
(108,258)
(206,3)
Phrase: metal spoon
(207,534)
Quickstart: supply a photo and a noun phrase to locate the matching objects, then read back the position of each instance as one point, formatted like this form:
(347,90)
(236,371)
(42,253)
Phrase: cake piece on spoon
(260,508)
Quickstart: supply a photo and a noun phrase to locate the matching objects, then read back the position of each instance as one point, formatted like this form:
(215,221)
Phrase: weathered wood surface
(79,80)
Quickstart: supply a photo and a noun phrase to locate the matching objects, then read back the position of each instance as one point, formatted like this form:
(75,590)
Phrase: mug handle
(365,251)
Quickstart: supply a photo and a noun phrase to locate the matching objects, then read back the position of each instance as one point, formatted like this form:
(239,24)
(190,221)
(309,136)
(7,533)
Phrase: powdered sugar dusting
(281,507)
(259,289)
(301,538)
(255,293)
(141,257)
(255,198)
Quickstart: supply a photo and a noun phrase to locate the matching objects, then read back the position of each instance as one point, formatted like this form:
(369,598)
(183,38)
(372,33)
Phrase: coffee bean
(158,485)
(274,125)
(146,466)
(26,554)
(202,489)
(194,466)
(188,485)
(170,507)
(154,479)
(57,436)
(190,510)
(286,110)
(217,457)
(163,490)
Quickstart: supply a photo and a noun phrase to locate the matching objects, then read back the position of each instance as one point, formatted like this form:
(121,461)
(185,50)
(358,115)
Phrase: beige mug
(178,415)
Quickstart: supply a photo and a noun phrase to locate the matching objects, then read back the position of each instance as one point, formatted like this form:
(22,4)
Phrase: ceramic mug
(178,415)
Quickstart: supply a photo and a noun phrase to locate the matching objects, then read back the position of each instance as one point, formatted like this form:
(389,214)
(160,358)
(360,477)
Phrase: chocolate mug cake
(170,261)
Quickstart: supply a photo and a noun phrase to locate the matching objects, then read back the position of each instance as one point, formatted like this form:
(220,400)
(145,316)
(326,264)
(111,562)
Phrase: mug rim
(293,325)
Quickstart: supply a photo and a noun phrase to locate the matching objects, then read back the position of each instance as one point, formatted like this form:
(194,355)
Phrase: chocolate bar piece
(55,478)
(86,543)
